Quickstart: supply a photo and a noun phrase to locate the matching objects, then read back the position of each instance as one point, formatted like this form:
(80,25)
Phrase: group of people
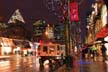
(92,52)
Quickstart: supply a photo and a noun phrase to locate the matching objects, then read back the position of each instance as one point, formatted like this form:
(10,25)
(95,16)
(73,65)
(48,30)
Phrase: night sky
(33,10)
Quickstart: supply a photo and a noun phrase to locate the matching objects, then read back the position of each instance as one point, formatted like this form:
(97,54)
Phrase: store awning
(103,33)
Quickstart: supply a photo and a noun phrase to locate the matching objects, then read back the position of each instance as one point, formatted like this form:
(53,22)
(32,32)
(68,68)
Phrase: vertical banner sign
(74,11)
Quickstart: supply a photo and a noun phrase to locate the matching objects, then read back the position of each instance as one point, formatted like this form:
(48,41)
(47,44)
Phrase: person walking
(94,52)
(103,51)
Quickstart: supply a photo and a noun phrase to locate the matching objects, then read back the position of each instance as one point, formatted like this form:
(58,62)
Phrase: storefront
(7,46)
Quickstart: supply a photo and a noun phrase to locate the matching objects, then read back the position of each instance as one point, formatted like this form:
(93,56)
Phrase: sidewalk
(63,68)
(75,67)
(87,65)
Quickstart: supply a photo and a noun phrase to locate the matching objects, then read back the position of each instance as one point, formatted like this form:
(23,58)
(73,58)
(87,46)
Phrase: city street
(31,64)
(53,36)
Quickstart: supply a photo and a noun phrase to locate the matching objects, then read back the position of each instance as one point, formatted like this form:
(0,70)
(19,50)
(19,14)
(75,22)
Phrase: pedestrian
(103,51)
(94,52)
(84,51)
(89,52)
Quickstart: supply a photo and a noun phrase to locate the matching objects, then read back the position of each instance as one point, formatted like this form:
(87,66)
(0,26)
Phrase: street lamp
(71,26)
(71,38)
(68,37)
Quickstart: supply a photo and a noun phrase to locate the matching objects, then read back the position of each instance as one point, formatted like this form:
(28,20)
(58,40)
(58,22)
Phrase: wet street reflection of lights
(46,62)
(22,64)
(4,64)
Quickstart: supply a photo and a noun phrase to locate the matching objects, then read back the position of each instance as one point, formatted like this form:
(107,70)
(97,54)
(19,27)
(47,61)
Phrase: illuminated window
(51,49)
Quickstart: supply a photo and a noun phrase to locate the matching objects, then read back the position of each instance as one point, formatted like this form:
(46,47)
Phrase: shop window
(51,49)
(45,49)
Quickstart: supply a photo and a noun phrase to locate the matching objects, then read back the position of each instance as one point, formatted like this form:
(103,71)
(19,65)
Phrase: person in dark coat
(103,51)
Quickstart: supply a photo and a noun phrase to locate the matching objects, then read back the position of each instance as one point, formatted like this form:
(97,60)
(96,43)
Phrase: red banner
(74,11)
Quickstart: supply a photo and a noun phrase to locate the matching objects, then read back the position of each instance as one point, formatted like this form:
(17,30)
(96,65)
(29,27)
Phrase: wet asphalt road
(31,64)
(22,64)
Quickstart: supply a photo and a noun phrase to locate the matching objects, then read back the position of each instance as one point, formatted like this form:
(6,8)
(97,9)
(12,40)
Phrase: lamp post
(71,26)
(67,32)
(68,38)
